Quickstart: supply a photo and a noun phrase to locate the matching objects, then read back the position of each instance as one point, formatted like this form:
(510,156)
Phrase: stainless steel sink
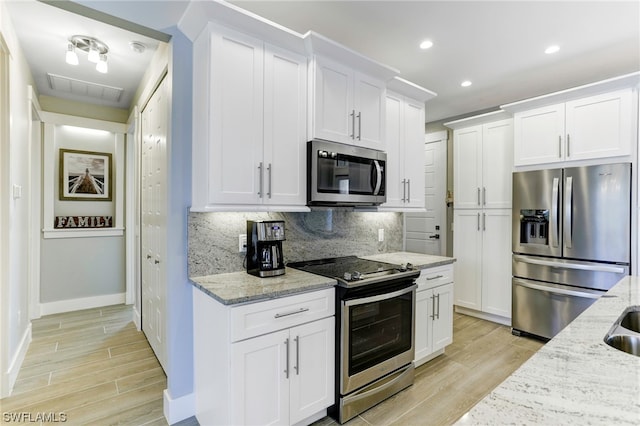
(624,334)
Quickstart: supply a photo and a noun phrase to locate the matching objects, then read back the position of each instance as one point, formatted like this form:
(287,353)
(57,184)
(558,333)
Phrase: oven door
(377,336)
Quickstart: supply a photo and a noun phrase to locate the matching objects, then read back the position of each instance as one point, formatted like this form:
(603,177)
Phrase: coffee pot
(264,248)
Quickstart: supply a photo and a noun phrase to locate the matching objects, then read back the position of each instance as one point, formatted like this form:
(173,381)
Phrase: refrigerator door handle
(554,290)
(555,234)
(568,211)
(566,265)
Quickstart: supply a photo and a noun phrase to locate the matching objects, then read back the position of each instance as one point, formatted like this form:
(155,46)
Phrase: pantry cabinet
(482,242)
(483,162)
(434,312)
(268,362)
(348,105)
(249,124)
(594,127)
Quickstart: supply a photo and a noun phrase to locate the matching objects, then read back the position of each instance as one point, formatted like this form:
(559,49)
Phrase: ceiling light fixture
(426,44)
(552,49)
(97,51)
(465,83)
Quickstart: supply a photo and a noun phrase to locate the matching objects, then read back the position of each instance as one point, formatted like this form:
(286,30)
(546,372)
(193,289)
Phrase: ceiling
(497,45)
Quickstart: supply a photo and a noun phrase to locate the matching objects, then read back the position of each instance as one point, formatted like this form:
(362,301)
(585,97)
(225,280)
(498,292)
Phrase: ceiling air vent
(84,88)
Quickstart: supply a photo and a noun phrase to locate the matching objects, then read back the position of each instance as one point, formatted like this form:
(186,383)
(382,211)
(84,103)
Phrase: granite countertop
(576,378)
(418,260)
(239,287)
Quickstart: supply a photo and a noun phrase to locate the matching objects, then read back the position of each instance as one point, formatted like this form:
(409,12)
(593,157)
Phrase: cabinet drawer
(265,317)
(433,277)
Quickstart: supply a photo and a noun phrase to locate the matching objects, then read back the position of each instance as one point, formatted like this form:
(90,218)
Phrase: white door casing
(154,220)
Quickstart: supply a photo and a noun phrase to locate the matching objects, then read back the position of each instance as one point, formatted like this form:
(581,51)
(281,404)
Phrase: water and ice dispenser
(534,227)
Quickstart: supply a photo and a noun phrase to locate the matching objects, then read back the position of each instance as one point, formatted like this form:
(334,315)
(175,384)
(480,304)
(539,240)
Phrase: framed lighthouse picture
(85,175)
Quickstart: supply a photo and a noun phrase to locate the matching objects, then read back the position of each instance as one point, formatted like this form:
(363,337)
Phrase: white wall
(15,330)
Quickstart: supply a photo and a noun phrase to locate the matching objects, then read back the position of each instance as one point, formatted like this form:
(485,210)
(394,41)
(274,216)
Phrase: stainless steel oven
(375,317)
(344,175)
(377,345)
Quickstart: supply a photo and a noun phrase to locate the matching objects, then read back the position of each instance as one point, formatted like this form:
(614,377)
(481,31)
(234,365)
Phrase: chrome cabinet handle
(353,124)
(156,261)
(408,190)
(568,145)
(260,188)
(438,315)
(269,180)
(286,314)
(434,278)
(478,195)
(560,146)
(297,366)
(404,190)
(433,307)
(286,369)
(484,196)
(478,221)
(484,221)
(359,125)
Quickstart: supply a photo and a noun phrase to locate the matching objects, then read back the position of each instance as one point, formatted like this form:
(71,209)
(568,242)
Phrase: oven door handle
(379,297)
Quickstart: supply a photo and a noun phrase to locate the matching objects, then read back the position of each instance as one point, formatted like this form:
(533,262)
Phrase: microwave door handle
(555,201)
(378,181)
(568,210)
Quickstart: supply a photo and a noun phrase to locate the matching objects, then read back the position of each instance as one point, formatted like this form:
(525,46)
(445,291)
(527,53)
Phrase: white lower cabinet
(434,313)
(283,377)
(265,363)
(482,248)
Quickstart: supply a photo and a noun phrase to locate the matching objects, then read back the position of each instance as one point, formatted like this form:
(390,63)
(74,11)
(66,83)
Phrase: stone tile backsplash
(213,237)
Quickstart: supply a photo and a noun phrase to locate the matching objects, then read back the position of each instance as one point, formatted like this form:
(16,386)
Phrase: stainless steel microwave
(344,175)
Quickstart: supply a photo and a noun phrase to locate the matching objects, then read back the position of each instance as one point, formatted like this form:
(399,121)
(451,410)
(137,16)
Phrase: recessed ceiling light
(426,44)
(465,83)
(552,49)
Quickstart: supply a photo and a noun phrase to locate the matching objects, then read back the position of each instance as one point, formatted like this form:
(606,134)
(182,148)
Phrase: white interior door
(424,231)
(153,220)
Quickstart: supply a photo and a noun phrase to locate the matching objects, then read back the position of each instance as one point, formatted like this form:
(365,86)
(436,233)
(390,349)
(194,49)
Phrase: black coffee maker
(264,248)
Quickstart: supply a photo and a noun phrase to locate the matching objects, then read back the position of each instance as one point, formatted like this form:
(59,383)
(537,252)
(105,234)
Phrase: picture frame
(85,175)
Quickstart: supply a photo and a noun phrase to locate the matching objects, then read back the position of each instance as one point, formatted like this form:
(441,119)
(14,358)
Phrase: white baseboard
(82,303)
(178,409)
(137,318)
(9,377)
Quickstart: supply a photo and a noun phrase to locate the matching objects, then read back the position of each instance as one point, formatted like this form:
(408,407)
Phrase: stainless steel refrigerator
(571,242)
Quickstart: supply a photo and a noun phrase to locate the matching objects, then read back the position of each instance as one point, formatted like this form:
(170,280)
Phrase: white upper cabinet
(249,124)
(591,122)
(483,162)
(348,106)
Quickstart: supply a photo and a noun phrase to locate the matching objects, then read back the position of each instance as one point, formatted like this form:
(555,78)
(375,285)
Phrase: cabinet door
(235,145)
(333,114)
(395,188)
(539,135)
(496,262)
(285,96)
(497,164)
(423,324)
(443,321)
(599,126)
(369,107)
(467,251)
(467,146)
(260,389)
(413,153)
(312,378)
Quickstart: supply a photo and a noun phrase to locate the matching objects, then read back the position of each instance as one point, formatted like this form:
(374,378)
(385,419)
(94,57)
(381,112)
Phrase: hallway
(92,367)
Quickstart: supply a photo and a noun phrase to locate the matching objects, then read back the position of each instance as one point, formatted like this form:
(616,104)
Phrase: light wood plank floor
(96,368)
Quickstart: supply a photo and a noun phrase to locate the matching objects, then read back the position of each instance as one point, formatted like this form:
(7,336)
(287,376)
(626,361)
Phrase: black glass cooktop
(351,270)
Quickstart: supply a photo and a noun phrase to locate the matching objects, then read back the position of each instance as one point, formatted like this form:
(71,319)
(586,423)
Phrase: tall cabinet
(483,163)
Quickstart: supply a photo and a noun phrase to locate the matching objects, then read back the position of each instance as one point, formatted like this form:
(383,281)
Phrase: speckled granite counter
(239,287)
(576,378)
(420,261)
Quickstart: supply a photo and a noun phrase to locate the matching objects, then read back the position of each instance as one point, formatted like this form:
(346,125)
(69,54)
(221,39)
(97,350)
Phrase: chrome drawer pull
(435,278)
(299,311)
